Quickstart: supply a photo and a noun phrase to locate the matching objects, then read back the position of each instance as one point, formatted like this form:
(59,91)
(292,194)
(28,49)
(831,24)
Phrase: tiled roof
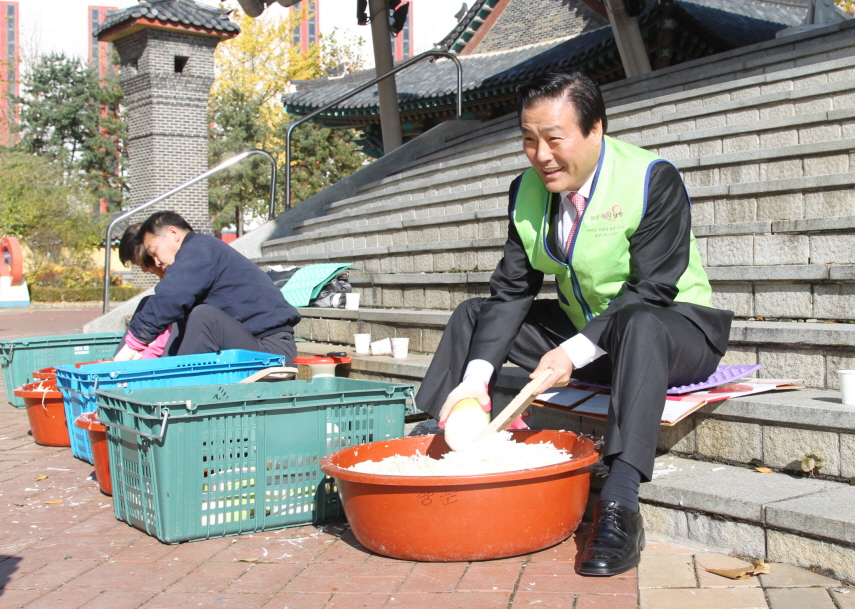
(426,81)
(744,22)
(462,25)
(178,12)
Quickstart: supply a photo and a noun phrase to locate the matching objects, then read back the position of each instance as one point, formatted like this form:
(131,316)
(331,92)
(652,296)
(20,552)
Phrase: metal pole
(224,165)
(387,92)
(360,89)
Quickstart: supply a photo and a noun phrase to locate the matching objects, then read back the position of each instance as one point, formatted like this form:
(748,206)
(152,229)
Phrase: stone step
(806,49)
(777,517)
(815,350)
(802,91)
(816,148)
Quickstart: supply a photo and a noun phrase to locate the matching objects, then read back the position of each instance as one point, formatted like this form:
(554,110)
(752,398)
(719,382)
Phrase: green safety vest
(599,261)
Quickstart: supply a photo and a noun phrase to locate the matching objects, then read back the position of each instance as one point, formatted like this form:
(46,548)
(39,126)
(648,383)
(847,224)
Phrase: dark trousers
(208,329)
(648,349)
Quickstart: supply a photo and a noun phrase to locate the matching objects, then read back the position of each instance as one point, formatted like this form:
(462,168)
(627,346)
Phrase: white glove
(471,387)
(126,354)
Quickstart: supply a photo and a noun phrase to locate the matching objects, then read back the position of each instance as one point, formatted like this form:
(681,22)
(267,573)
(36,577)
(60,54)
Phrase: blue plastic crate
(79,383)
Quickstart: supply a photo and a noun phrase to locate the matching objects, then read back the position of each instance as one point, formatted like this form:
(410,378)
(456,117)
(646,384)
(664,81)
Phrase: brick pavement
(61,547)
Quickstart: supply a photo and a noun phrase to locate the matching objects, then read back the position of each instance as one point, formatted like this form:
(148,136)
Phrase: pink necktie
(578,202)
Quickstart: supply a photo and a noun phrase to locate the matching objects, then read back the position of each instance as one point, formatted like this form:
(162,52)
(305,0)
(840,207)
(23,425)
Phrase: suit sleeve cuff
(581,350)
(480,369)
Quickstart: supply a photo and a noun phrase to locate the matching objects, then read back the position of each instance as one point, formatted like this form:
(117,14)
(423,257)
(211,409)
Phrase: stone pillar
(166,76)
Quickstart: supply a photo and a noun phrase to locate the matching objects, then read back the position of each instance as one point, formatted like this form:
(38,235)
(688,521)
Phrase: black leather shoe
(615,543)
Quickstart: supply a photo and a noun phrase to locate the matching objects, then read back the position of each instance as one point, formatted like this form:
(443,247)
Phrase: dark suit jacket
(659,254)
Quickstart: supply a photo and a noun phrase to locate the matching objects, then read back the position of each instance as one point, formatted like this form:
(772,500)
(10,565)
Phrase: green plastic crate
(22,356)
(192,463)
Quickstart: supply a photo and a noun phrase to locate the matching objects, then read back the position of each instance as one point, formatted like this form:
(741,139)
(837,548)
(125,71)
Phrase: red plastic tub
(45,374)
(100,453)
(463,518)
(46,413)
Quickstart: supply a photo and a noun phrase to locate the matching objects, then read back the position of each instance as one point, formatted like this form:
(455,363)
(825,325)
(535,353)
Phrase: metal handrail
(360,89)
(224,165)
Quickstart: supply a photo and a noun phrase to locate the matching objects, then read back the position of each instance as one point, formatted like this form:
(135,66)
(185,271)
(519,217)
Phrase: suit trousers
(209,329)
(648,349)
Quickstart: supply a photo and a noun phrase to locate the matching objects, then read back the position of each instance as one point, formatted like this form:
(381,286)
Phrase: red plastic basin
(46,413)
(100,455)
(49,373)
(463,518)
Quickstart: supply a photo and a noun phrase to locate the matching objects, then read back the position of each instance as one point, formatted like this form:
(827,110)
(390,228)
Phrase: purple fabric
(722,376)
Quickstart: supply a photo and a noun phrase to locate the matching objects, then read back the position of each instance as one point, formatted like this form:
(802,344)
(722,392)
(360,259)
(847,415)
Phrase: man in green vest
(612,223)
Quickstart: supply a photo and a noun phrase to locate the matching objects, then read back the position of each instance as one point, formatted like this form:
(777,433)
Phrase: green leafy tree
(243,189)
(69,116)
(47,211)
(245,111)
(320,158)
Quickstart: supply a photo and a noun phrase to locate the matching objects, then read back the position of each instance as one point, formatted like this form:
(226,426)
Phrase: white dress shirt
(579,349)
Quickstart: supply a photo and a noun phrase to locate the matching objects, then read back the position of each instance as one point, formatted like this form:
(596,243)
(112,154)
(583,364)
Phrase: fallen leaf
(55,501)
(246,560)
(763,470)
(40,478)
(757,568)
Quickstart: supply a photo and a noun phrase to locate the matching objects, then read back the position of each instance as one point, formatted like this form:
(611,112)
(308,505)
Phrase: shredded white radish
(496,453)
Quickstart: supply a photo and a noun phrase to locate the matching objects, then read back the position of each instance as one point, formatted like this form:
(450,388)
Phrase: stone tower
(166,51)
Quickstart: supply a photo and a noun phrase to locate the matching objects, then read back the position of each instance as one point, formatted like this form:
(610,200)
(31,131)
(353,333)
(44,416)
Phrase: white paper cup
(362,342)
(351,301)
(381,347)
(847,386)
(400,347)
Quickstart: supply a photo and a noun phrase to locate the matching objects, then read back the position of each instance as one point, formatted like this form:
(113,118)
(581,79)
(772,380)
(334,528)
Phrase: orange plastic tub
(45,374)
(46,413)
(463,518)
(100,454)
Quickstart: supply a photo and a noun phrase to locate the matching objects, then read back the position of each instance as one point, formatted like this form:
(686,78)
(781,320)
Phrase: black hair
(132,251)
(128,245)
(577,88)
(158,221)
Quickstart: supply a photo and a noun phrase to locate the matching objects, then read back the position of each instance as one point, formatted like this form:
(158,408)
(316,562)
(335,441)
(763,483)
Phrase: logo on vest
(608,222)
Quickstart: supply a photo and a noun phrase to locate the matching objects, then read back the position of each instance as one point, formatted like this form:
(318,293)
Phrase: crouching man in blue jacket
(223,299)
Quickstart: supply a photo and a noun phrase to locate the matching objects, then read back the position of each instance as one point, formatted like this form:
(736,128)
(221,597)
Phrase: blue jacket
(208,271)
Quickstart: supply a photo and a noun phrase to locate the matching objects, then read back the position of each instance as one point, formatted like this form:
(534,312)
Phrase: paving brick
(488,576)
(15,599)
(804,598)
(666,571)
(357,601)
(844,597)
(182,600)
(298,601)
(724,598)
(784,575)
(211,577)
(125,599)
(557,600)
(711,560)
(143,575)
(445,600)
(54,574)
(433,577)
(562,577)
(62,600)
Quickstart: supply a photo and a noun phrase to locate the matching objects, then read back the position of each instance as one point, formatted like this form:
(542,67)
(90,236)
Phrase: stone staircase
(765,138)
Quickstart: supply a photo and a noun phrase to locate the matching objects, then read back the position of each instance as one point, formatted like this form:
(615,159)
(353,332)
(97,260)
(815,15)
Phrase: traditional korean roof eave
(183,15)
